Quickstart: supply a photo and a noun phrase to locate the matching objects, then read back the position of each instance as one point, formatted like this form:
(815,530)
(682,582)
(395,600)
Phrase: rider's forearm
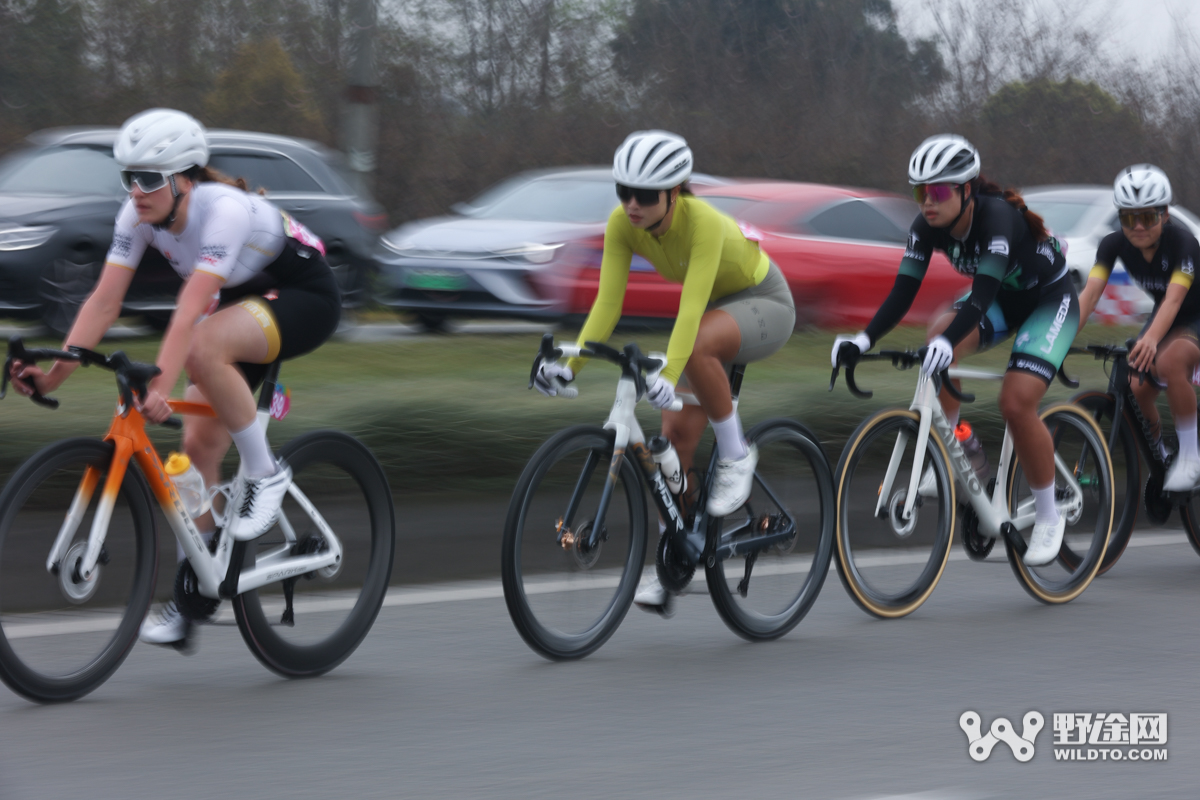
(95,317)
(894,307)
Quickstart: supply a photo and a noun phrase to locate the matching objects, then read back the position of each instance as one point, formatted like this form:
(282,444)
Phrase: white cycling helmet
(162,140)
(945,158)
(1141,186)
(652,160)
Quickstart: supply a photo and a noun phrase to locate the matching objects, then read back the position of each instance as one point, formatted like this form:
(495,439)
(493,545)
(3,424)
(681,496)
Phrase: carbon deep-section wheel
(568,584)
(768,560)
(334,608)
(62,636)
(890,564)
(1127,474)
(1084,478)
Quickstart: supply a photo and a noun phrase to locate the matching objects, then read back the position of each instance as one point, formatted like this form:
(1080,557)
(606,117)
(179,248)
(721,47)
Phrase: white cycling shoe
(171,629)
(1045,542)
(732,482)
(1182,475)
(255,503)
(652,597)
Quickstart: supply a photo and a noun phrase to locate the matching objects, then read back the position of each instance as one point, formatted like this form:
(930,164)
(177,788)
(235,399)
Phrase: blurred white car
(1080,216)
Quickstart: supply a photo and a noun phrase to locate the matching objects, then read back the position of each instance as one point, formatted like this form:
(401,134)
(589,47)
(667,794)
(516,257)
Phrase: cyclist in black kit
(1020,287)
(1161,258)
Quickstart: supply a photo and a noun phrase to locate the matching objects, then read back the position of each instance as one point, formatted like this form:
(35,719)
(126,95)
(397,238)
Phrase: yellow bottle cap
(176,464)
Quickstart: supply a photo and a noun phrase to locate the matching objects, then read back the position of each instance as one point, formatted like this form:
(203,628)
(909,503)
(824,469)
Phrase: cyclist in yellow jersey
(735,308)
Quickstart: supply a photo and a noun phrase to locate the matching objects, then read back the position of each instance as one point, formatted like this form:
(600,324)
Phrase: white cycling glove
(660,392)
(859,340)
(552,379)
(938,356)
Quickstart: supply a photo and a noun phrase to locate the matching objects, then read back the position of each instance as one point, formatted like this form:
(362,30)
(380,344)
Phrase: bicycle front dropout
(895,502)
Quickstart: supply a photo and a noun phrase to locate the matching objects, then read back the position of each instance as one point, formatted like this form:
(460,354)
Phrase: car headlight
(533,253)
(395,243)
(24,237)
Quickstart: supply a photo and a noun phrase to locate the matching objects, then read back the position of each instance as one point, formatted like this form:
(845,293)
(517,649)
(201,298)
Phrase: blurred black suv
(59,197)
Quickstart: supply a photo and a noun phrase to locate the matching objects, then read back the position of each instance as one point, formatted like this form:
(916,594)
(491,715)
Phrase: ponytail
(1037,226)
(211,175)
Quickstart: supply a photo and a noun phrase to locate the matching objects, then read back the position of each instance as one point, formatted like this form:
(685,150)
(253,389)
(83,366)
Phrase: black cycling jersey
(1173,262)
(999,251)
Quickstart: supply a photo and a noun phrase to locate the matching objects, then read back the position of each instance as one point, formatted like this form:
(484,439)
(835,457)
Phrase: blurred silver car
(492,258)
(1081,216)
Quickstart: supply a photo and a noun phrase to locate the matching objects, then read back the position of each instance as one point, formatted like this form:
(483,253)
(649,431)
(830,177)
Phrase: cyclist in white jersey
(256,288)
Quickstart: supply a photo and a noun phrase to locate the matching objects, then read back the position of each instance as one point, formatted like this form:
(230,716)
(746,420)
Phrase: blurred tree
(260,90)
(810,89)
(42,71)
(1044,131)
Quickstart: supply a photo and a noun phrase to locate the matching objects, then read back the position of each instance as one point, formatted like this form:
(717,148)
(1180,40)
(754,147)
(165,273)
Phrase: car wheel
(433,321)
(66,283)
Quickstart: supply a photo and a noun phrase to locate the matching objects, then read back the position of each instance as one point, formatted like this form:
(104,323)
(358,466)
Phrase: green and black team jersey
(999,251)
(1173,262)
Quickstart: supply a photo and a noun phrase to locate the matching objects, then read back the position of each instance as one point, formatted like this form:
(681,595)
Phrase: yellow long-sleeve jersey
(704,250)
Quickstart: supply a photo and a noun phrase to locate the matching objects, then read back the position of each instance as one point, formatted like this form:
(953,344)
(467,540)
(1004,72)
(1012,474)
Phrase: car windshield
(62,170)
(550,200)
(1061,216)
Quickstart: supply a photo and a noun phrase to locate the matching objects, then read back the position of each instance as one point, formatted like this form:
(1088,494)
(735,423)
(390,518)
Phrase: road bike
(1131,441)
(78,566)
(898,490)
(575,534)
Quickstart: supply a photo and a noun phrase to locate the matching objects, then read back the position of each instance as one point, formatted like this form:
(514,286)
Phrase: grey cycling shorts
(765,315)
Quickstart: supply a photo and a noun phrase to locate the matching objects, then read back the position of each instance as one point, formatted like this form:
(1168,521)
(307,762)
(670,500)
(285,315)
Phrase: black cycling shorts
(1045,323)
(296,300)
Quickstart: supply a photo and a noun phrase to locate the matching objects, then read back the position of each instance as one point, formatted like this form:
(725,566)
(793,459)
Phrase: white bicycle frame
(993,512)
(211,570)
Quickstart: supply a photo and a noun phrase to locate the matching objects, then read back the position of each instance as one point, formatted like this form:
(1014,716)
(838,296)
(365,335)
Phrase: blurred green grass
(452,414)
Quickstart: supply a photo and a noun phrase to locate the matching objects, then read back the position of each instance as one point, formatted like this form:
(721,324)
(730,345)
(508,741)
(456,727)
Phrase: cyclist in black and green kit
(1020,286)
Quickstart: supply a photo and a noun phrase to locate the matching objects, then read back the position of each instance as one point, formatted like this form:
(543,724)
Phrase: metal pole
(360,113)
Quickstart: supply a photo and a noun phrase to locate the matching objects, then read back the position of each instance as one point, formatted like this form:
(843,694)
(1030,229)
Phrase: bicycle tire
(774,485)
(551,570)
(1082,568)
(316,454)
(23,549)
(1191,523)
(876,600)
(1102,407)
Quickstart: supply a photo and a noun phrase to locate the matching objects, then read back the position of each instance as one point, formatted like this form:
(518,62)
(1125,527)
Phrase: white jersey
(229,233)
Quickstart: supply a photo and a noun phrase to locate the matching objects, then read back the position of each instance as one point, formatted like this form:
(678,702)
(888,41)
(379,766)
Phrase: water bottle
(667,459)
(189,483)
(973,448)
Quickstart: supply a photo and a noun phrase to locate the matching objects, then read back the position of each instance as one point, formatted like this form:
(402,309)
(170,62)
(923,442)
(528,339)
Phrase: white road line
(493,589)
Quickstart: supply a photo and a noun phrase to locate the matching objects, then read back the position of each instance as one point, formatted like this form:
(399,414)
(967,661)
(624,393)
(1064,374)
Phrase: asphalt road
(444,700)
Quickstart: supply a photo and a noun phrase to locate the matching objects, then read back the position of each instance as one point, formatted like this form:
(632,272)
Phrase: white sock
(1185,429)
(1043,500)
(662,527)
(731,444)
(252,445)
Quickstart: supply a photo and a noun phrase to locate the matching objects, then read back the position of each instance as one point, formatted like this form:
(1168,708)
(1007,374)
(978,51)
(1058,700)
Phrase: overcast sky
(1146,29)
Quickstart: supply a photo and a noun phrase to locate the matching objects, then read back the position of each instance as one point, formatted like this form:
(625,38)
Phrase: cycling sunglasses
(645,197)
(146,180)
(937,192)
(1149,218)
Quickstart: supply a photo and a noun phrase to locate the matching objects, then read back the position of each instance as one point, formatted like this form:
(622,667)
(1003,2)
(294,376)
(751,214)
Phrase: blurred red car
(838,247)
